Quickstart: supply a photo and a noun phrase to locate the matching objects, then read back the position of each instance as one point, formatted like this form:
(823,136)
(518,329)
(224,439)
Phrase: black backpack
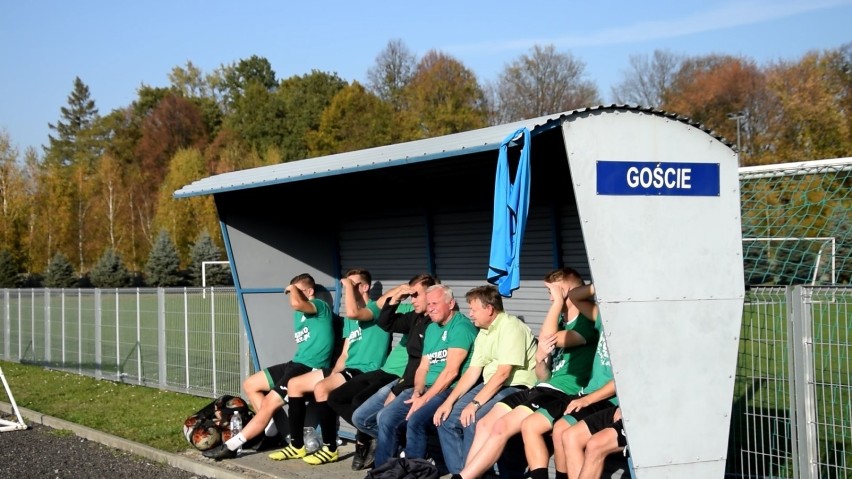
(403,468)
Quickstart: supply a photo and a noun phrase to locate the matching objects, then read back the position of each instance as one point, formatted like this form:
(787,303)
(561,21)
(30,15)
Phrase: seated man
(597,395)
(446,348)
(312,324)
(360,400)
(365,348)
(588,443)
(574,333)
(503,362)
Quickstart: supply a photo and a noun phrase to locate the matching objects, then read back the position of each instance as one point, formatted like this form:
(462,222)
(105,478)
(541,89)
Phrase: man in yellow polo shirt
(503,357)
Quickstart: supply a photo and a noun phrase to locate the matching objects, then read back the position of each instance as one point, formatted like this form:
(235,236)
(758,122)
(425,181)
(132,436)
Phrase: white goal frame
(204,275)
(5,424)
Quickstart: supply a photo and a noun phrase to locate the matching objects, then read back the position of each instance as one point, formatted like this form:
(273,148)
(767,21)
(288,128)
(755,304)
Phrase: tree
(163,267)
(258,117)
(355,119)
(305,98)
(9,270)
(110,272)
(174,123)
(647,80)
(443,97)
(184,218)
(205,249)
(810,118)
(60,273)
(15,199)
(392,72)
(542,83)
(74,141)
(710,89)
(189,81)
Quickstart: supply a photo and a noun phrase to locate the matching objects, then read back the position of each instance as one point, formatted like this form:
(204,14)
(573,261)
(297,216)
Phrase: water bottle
(236,427)
(313,440)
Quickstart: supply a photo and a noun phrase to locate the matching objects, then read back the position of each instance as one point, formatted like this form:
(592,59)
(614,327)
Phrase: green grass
(149,416)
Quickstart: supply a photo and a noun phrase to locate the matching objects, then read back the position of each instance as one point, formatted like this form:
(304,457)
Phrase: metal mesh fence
(792,404)
(183,339)
(792,409)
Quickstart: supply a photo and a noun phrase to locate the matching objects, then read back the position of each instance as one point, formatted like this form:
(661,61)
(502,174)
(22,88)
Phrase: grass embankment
(145,415)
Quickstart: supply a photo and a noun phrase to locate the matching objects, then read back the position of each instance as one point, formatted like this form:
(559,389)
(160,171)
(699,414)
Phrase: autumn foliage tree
(443,97)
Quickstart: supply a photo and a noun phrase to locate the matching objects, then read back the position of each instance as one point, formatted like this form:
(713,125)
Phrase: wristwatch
(476,404)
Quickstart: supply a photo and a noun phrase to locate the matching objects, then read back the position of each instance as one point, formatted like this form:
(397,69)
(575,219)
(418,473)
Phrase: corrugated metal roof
(468,142)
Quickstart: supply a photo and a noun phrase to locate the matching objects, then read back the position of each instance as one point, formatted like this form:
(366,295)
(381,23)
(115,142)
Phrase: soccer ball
(205,436)
(189,425)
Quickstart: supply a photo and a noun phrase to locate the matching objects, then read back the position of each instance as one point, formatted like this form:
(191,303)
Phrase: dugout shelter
(644,203)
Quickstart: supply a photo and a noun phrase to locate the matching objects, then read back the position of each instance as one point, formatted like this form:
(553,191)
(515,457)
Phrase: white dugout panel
(666,260)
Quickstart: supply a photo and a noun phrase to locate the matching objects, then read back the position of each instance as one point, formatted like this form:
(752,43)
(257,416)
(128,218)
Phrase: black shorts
(348,373)
(279,375)
(548,402)
(602,419)
(587,411)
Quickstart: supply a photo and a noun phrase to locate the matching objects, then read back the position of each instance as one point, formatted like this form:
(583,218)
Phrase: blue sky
(116,46)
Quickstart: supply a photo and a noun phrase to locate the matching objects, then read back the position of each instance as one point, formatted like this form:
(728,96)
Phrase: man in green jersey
(365,348)
(314,334)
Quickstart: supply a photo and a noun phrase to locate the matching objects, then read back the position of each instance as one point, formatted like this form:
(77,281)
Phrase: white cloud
(727,15)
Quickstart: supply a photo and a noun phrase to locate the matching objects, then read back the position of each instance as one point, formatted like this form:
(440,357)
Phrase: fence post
(7,324)
(98,339)
(32,323)
(161,336)
(805,435)
(213,339)
(186,339)
(139,374)
(62,295)
(47,343)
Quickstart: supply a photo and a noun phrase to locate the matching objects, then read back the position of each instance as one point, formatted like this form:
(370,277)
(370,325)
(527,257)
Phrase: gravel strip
(43,452)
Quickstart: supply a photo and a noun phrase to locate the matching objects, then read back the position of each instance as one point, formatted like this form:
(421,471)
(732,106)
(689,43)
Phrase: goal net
(797,223)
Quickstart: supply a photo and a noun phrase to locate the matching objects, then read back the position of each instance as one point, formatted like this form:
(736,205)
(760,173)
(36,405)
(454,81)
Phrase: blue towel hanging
(511,206)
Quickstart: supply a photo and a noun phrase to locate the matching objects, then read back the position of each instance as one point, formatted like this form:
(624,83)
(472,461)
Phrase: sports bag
(404,468)
(211,425)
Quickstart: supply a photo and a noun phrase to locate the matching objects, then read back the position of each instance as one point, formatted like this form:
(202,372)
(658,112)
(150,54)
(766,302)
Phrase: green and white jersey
(573,366)
(601,366)
(314,335)
(458,332)
(368,343)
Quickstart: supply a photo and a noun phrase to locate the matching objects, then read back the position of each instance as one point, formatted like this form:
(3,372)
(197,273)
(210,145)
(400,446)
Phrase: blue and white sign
(642,178)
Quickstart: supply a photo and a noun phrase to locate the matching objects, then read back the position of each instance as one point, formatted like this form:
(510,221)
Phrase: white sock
(235,442)
(271,430)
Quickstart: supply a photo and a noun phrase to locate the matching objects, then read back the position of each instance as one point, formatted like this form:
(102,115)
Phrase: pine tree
(74,138)
(205,250)
(110,272)
(163,267)
(60,273)
(9,270)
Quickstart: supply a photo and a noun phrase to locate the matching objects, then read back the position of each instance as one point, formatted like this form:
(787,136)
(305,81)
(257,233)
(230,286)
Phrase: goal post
(204,270)
(5,424)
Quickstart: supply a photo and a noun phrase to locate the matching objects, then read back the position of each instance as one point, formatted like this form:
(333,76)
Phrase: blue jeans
(364,418)
(457,439)
(392,425)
